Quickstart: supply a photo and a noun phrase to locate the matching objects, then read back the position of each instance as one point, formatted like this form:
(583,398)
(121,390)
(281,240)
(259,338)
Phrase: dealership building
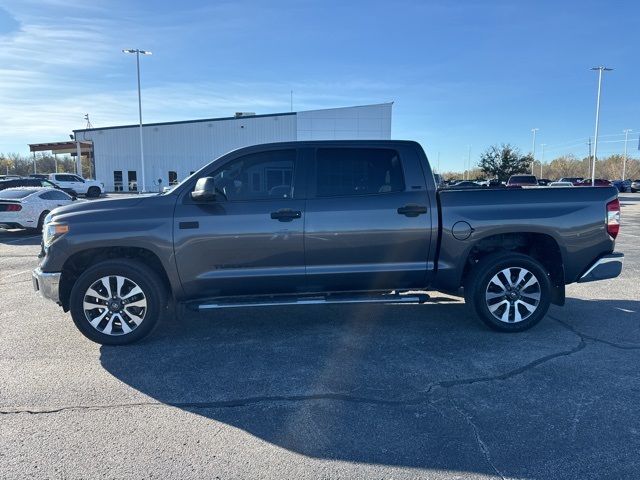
(173,150)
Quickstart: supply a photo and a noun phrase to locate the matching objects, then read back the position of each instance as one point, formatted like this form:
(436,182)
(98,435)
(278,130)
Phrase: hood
(96,206)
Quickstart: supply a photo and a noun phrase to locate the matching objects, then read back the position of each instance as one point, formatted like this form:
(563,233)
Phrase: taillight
(14,208)
(613,218)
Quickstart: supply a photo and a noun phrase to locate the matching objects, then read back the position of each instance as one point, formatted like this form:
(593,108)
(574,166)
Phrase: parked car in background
(466,184)
(635,186)
(90,188)
(561,184)
(27,207)
(522,181)
(597,182)
(574,180)
(622,185)
(543,182)
(34,182)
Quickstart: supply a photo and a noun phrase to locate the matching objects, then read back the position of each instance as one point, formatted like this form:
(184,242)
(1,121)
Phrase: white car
(90,188)
(26,207)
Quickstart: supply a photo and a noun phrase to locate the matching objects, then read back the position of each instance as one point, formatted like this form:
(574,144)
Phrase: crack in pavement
(584,336)
(344,397)
(476,432)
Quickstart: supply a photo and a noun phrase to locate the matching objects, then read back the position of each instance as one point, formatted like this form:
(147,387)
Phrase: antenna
(86,117)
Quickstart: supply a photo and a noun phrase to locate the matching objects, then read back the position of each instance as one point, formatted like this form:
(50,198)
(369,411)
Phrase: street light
(595,143)
(533,149)
(624,160)
(139,52)
(469,162)
(542,158)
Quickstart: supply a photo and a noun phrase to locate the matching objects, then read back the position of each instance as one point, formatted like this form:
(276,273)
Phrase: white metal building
(173,150)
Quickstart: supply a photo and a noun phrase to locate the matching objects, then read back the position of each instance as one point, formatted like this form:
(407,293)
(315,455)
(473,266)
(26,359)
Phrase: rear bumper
(47,284)
(608,266)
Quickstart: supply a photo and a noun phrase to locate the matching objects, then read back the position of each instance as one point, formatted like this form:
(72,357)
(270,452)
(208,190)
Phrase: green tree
(503,161)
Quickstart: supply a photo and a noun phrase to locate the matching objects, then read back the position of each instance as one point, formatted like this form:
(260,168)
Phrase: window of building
(173,178)
(264,175)
(358,171)
(117,181)
(132,177)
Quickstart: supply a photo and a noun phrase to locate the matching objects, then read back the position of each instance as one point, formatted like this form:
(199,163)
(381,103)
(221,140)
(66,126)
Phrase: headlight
(53,231)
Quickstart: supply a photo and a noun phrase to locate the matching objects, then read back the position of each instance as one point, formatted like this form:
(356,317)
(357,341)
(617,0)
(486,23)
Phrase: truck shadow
(19,237)
(349,383)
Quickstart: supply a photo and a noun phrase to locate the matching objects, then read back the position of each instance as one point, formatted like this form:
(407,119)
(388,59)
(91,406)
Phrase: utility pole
(595,142)
(624,160)
(589,143)
(541,158)
(469,162)
(137,53)
(533,149)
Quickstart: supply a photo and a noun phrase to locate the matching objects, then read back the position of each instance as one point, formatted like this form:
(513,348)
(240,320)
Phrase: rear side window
(358,171)
(54,195)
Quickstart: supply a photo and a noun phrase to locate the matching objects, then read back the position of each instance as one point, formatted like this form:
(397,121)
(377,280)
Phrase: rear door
(250,242)
(368,220)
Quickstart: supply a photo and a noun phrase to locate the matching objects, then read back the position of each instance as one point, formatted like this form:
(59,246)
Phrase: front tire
(117,302)
(510,292)
(93,192)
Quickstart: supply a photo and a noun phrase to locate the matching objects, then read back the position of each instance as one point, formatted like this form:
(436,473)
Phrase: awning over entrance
(62,147)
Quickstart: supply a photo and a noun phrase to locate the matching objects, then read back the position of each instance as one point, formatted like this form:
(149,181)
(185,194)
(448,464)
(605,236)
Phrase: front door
(249,240)
(368,221)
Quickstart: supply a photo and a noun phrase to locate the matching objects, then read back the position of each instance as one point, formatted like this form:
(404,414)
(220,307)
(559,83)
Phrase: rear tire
(41,221)
(122,309)
(510,292)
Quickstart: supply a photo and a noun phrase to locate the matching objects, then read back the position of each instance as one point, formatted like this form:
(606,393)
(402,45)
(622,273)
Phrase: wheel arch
(542,247)
(80,261)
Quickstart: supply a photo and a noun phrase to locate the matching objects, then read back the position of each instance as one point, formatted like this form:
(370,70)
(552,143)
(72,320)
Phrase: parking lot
(405,391)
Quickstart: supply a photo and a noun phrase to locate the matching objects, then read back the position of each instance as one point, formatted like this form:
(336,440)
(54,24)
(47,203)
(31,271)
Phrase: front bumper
(47,284)
(608,266)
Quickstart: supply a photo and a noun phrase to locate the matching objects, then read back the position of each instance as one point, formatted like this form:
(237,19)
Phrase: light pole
(469,162)
(139,52)
(595,142)
(533,148)
(541,158)
(624,160)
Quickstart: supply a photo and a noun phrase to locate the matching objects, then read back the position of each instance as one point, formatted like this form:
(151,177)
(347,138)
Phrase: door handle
(285,214)
(412,210)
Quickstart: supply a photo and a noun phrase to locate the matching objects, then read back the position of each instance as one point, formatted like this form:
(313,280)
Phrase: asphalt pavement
(404,391)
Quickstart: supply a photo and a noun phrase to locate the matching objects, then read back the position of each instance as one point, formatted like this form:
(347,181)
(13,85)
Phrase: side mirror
(205,190)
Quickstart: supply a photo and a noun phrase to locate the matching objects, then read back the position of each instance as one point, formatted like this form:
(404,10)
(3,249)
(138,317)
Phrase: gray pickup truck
(323,222)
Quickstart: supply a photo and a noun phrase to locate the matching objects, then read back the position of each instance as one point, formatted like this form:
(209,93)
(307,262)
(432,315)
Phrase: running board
(310,300)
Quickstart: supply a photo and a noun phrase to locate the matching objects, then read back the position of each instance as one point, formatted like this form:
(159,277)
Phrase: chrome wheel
(114,305)
(513,295)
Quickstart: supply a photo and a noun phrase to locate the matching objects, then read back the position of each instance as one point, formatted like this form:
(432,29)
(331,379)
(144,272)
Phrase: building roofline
(218,119)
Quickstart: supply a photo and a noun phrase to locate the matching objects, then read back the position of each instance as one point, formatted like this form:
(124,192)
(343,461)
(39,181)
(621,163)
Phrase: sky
(460,73)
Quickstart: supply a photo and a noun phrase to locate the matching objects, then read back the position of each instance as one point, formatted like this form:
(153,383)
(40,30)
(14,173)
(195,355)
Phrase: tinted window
(65,178)
(17,193)
(55,195)
(358,171)
(258,176)
(523,179)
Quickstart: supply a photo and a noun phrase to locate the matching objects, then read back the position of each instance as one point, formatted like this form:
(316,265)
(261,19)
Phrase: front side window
(358,171)
(65,178)
(258,176)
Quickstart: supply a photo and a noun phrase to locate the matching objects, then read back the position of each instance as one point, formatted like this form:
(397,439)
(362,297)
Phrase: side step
(270,301)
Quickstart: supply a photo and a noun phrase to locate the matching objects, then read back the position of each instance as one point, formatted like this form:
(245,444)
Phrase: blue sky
(460,73)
